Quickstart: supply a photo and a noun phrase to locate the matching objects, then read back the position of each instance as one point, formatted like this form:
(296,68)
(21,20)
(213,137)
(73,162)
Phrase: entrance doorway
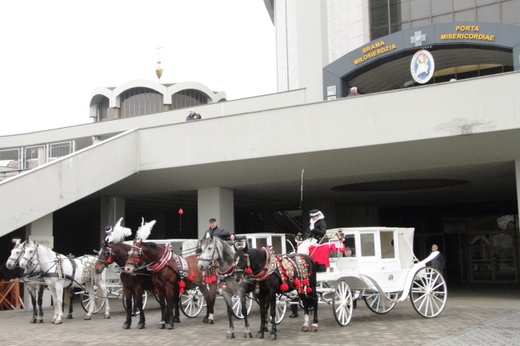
(492,257)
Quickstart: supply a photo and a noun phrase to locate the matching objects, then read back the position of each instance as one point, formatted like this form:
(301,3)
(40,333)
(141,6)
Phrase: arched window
(140,101)
(188,98)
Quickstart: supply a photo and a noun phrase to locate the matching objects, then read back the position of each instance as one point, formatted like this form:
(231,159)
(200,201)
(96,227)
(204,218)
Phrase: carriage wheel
(237,307)
(281,307)
(428,293)
(136,311)
(192,302)
(86,302)
(342,303)
(378,305)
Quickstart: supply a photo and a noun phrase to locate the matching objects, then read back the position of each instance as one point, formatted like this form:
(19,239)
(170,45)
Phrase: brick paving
(473,316)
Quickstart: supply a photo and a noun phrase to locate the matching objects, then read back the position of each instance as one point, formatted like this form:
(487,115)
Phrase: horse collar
(269,267)
(162,262)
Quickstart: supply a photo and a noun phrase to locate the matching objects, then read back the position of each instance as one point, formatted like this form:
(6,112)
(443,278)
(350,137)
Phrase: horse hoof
(169,326)
(205,320)
(305,329)
(106,317)
(40,321)
(58,322)
(314,328)
(126,325)
(260,335)
(33,320)
(69,317)
(176,319)
(140,326)
(273,337)
(211,322)
(86,318)
(230,335)
(161,326)
(248,336)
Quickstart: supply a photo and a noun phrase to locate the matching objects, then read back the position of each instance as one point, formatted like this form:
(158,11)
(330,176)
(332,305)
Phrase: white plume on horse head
(120,232)
(144,231)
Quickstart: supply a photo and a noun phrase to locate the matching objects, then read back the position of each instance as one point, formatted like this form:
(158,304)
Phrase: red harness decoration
(290,271)
(210,276)
(163,261)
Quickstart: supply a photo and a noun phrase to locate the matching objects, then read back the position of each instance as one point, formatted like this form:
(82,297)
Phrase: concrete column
(517,176)
(112,209)
(216,202)
(40,230)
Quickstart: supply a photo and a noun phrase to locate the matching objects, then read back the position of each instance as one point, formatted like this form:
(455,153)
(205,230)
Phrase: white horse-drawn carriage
(374,264)
(377,265)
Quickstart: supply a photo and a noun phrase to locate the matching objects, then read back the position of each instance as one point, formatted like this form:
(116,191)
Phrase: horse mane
(151,245)
(256,256)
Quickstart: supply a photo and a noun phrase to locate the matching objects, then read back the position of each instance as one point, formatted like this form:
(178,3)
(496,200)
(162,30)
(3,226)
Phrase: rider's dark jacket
(320,228)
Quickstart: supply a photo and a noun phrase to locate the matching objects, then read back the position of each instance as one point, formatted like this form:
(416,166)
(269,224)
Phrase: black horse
(271,275)
(134,285)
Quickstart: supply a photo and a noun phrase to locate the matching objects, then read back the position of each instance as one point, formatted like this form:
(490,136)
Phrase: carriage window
(367,245)
(350,245)
(387,244)
(261,242)
(277,245)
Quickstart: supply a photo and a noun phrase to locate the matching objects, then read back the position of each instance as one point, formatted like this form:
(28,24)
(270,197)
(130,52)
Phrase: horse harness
(58,263)
(163,262)
(290,270)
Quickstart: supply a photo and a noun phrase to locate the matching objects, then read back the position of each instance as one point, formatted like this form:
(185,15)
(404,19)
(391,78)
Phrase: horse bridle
(136,252)
(232,270)
(34,253)
(108,255)
(17,260)
(212,257)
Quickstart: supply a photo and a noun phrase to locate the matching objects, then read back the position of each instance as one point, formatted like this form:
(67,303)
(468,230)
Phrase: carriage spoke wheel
(428,293)
(379,304)
(136,310)
(281,308)
(86,301)
(342,303)
(237,306)
(192,302)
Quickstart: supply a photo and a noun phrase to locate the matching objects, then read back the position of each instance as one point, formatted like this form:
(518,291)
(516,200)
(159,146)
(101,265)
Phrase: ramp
(66,180)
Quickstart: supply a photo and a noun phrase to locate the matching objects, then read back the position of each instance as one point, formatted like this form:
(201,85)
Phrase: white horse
(30,277)
(60,271)
(33,281)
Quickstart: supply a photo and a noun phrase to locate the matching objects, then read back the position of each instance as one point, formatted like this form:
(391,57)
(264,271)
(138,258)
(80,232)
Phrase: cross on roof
(418,38)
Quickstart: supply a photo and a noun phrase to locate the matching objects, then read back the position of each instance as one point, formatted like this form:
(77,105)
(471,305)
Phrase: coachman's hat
(314,212)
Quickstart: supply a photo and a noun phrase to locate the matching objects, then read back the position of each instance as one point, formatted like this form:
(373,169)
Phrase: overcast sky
(56,52)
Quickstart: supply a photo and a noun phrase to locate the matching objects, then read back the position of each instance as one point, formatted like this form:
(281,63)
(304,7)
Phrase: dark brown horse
(171,275)
(279,274)
(134,285)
